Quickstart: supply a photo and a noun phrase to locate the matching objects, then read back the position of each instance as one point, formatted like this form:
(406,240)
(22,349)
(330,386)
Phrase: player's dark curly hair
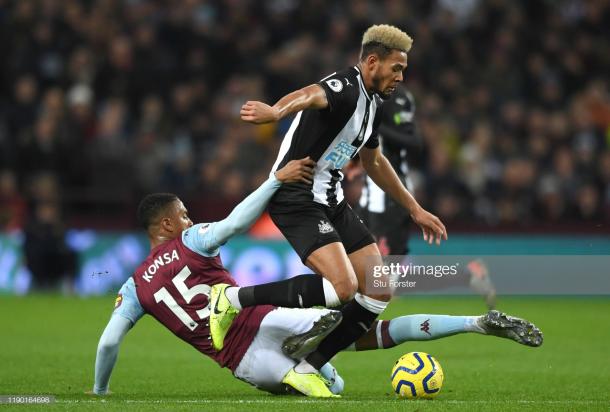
(152,205)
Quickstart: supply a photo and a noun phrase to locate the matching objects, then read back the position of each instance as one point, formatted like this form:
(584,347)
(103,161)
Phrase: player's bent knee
(346,289)
(346,295)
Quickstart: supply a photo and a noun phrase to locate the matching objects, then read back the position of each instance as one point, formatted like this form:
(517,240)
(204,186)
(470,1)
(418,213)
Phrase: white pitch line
(280,401)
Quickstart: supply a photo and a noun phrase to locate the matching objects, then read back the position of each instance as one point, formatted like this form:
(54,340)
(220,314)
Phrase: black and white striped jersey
(330,137)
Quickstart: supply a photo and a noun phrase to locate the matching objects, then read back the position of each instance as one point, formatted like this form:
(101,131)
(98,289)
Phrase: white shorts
(264,365)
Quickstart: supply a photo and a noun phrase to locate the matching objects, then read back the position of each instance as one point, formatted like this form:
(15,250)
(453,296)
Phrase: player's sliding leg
(330,374)
(222,314)
(337,284)
(323,384)
(303,344)
(388,333)
(265,366)
(510,327)
(309,384)
(303,291)
(358,314)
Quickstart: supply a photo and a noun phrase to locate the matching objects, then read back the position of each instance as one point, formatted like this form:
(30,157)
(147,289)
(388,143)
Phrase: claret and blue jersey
(173,283)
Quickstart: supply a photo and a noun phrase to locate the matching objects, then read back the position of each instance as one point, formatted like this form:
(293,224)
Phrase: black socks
(356,322)
(303,291)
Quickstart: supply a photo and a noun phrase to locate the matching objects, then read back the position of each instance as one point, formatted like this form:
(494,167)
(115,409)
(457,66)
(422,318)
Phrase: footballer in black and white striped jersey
(331,137)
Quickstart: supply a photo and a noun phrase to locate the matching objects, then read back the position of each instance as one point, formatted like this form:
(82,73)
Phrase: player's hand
(297,171)
(353,170)
(431,226)
(258,113)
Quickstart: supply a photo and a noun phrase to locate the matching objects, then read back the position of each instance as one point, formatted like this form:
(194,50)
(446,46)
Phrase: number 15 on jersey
(163,295)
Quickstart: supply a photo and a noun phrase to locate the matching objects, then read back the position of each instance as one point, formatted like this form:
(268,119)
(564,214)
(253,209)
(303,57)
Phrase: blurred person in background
(51,262)
(12,204)
(398,139)
(68,62)
(73,68)
(390,223)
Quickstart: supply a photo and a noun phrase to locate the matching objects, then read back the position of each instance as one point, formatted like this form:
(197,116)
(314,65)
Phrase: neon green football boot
(222,313)
(309,384)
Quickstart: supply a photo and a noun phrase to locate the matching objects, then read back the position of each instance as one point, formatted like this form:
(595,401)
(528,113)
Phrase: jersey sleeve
(206,239)
(127,304)
(340,92)
(200,239)
(373,141)
(108,350)
(127,311)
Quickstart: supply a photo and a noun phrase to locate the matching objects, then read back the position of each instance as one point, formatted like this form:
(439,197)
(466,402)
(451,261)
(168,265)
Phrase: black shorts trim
(365,241)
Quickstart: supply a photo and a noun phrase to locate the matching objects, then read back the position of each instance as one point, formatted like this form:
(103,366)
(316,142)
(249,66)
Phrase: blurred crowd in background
(103,101)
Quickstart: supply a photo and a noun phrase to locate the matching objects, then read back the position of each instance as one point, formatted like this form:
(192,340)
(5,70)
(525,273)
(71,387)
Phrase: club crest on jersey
(335,85)
(325,227)
(160,260)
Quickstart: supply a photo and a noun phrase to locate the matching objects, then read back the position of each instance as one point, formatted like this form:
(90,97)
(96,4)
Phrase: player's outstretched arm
(380,170)
(249,210)
(108,350)
(310,97)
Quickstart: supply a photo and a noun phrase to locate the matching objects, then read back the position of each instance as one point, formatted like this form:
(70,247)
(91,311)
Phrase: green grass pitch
(48,343)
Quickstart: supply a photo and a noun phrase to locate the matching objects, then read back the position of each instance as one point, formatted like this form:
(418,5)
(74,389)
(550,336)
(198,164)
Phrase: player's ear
(372,61)
(167,224)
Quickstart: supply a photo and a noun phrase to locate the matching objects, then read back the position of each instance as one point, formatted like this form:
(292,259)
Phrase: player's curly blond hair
(386,37)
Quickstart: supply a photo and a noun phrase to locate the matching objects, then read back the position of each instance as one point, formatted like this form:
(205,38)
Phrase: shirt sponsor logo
(341,154)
